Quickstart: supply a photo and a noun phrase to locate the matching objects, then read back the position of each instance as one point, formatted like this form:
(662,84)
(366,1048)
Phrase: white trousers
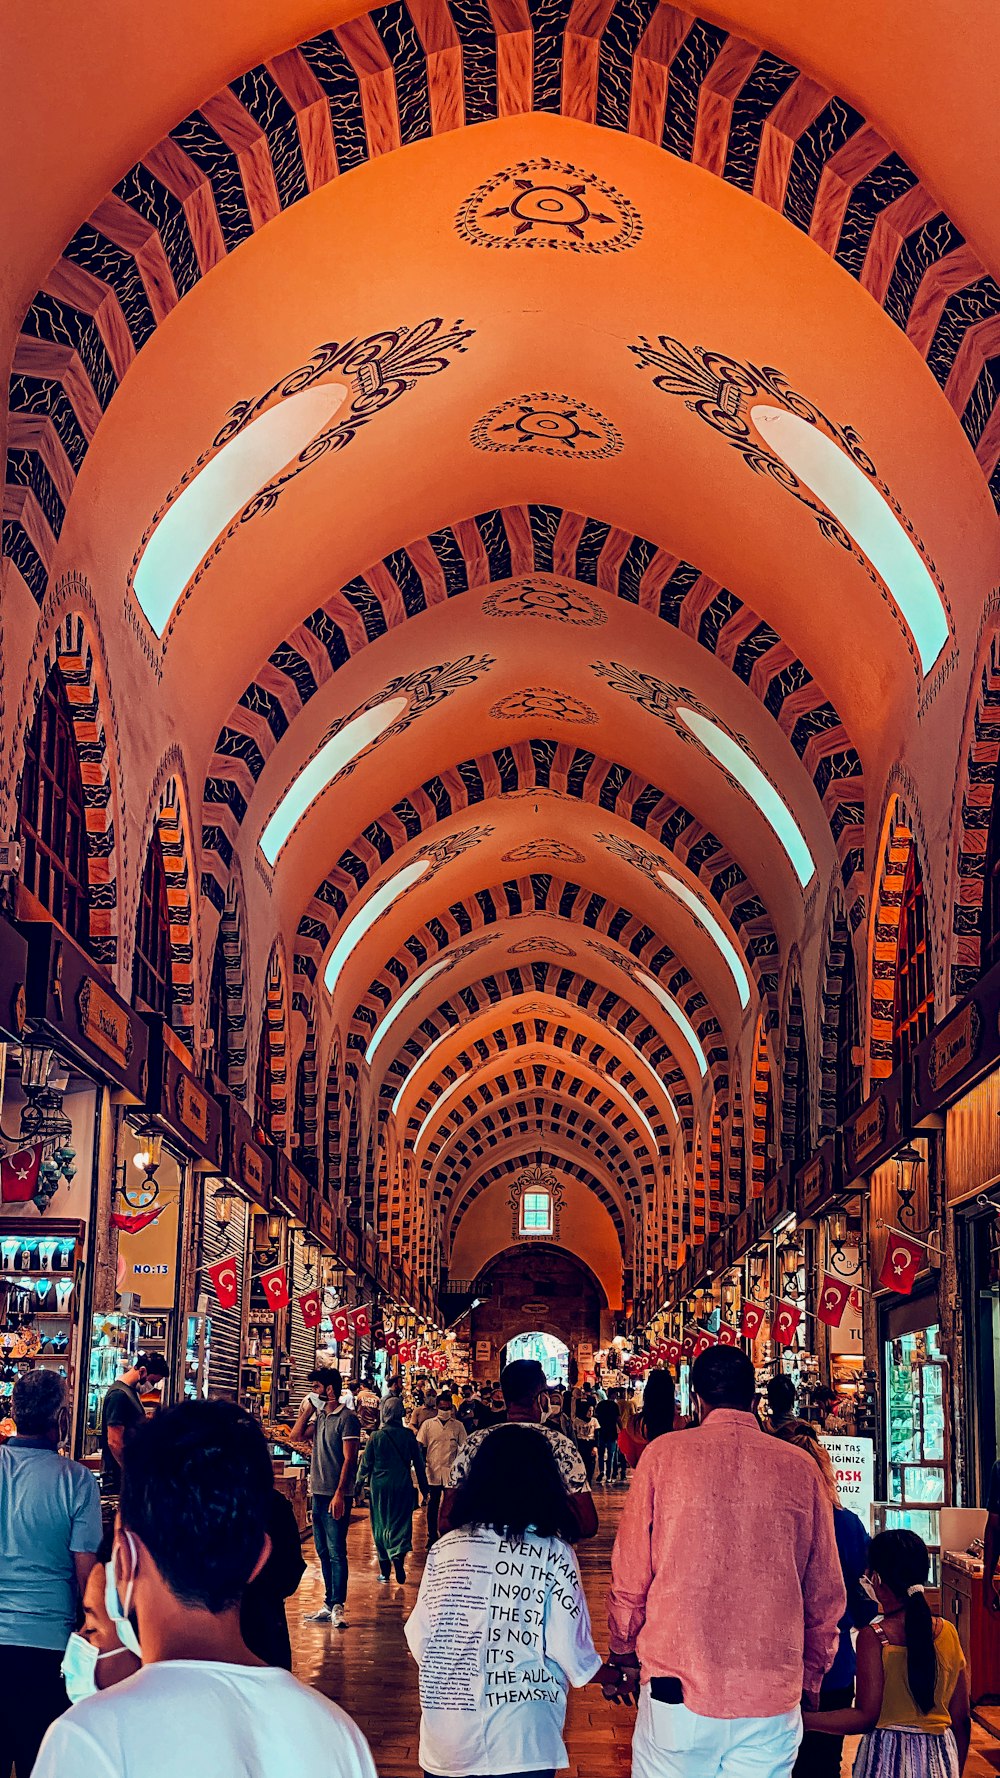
(670,1741)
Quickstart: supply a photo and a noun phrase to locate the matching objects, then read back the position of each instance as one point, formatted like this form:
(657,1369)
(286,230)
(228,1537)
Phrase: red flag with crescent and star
(751,1320)
(340,1324)
(224,1281)
(19,1174)
(360,1322)
(728,1335)
(274,1284)
(391,1344)
(406,1351)
(703,1343)
(834,1296)
(312,1308)
(903,1260)
(785,1322)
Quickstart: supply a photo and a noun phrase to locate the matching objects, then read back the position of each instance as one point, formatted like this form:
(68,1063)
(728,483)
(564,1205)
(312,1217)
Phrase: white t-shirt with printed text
(500,1631)
(205,1719)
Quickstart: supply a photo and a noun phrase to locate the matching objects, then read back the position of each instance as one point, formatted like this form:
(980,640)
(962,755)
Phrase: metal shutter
(301,1339)
(224,1324)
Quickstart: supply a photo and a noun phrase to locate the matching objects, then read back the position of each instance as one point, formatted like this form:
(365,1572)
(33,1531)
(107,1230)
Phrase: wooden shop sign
(818,1182)
(245,1160)
(744,1233)
(180,1101)
(83,1012)
(291,1188)
(777,1199)
(878,1127)
(959,1051)
(325,1223)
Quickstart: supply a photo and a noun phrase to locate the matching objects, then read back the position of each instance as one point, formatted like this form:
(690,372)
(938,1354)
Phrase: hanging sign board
(878,1127)
(83,1012)
(853,1462)
(959,1051)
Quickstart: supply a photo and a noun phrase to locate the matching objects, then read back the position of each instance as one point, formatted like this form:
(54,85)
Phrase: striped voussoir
(974,826)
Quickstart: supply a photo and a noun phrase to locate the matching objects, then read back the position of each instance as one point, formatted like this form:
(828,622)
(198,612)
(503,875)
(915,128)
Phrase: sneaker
(323,1616)
(338,1618)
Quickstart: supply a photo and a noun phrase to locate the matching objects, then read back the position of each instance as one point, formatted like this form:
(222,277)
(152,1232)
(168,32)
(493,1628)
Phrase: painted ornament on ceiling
(529,947)
(542,702)
(531,849)
(539,595)
(548,203)
(549,425)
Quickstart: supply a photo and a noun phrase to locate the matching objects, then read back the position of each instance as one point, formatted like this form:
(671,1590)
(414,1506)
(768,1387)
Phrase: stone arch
(839,978)
(168,813)
(898,843)
(274,1048)
(305,1117)
(970,825)
(763,1163)
(231,935)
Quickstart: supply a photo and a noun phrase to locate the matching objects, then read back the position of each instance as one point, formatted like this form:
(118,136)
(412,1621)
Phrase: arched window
(536,1213)
(913,1005)
(989,950)
(218,1010)
(52,822)
(848,1085)
(151,980)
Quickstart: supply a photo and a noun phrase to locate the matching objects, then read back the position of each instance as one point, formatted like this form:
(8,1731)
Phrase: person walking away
(425,1409)
(440,1439)
(781,1405)
(657,1416)
(608,1456)
(192,1532)
(912,1704)
(725,1513)
(389,1458)
(336,1436)
(50,1532)
(524,1390)
(821,1756)
(122,1411)
(263,1624)
(585,1430)
(501,1630)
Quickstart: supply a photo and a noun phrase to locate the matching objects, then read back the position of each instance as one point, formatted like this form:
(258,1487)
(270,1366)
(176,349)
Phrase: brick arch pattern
(170,822)
(71,652)
(838,939)
(762,1165)
(519,1124)
(493,547)
(719,1203)
(793,1041)
(331,1126)
(232,937)
(305,1138)
(584,909)
(739,1167)
(274,1038)
(463,1201)
(376,83)
(522,1033)
(591,1122)
(560,984)
(972,820)
(899,840)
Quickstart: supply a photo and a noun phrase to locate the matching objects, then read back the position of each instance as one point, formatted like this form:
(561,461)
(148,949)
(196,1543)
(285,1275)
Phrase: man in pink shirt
(726,1590)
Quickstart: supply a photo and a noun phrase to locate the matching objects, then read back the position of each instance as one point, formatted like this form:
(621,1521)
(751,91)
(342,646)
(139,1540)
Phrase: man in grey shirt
(336,1442)
(50,1531)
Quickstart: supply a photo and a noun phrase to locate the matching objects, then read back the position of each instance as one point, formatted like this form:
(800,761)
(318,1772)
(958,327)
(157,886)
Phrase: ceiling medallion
(545,702)
(547,203)
(556,849)
(553,425)
(526,947)
(541,596)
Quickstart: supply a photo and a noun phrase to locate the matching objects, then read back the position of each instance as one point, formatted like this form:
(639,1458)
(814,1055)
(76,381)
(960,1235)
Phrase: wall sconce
(839,1232)
(729,1293)
(222,1205)
(791,1256)
(756,1267)
(36,1060)
(140,1193)
(909,1160)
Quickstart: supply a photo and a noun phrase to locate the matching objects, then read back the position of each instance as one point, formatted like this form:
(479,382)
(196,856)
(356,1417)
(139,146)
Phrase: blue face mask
(117,1608)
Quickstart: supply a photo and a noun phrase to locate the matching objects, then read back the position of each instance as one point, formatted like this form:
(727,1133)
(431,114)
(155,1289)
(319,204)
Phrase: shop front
(831,1220)
(228,1202)
(80,1044)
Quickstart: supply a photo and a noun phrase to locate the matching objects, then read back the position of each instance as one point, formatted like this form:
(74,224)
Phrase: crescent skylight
(419,982)
(867,516)
(436,1109)
(318,774)
(679,1017)
(716,932)
(367,915)
(734,760)
(218,492)
(438,1041)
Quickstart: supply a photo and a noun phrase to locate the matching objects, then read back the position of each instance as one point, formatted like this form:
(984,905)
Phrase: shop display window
(115,1338)
(197,1357)
(916,1432)
(39,1278)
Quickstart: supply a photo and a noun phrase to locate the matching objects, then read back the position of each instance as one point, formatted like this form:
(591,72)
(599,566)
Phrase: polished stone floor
(367,1667)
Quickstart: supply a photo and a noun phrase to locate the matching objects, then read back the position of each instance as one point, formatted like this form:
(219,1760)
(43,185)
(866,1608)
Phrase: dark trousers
(434,1494)
(609,1458)
(330,1535)
(820,1755)
(32,1695)
(588,1451)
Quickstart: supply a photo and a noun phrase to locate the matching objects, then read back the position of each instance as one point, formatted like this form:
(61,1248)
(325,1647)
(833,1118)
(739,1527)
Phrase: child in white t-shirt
(501,1629)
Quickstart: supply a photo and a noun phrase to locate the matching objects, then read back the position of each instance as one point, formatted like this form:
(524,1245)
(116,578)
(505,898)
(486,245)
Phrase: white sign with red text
(853,1462)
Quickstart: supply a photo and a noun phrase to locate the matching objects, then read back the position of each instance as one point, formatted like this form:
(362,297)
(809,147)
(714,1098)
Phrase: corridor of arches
(500,707)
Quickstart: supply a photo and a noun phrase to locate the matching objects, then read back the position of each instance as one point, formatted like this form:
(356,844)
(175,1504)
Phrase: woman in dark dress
(262,1615)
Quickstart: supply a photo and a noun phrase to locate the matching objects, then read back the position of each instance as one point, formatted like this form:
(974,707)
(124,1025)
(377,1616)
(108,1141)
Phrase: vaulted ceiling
(532,474)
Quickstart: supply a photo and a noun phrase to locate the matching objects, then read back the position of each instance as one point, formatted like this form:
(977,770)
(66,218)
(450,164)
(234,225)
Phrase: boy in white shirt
(442,1438)
(191,1533)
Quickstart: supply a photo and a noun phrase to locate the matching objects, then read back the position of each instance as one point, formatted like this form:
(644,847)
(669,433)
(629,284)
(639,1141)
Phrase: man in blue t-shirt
(50,1530)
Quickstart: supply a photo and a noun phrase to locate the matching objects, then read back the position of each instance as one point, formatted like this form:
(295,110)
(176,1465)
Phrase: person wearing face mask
(107,1649)
(526,1394)
(191,1534)
(50,1532)
(441,1439)
(123,1411)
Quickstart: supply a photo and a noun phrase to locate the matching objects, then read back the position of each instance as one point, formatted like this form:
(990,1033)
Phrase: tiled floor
(367,1667)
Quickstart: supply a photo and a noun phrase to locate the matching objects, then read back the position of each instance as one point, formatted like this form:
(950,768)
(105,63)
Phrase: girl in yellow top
(912,1698)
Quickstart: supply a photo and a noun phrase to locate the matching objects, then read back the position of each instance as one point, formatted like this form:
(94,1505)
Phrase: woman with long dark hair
(501,1629)
(912,1698)
(657,1416)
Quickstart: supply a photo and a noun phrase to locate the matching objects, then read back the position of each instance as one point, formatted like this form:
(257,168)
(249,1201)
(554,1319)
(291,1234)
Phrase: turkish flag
(727,1334)
(441,1364)
(903,1260)
(786,1320)
(360,1322)
(704,1341)
(834,1296)
(406,1350)
(275,1287)
(424,1355)
(19,1174)
(340,1324)
(224,1281)
(131,1221)
(751,1320)
(392,1344)
(671,1350)
(312,1308)
(687,1345)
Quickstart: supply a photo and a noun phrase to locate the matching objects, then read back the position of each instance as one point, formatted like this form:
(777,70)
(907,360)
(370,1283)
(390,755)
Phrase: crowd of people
(750,1620)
